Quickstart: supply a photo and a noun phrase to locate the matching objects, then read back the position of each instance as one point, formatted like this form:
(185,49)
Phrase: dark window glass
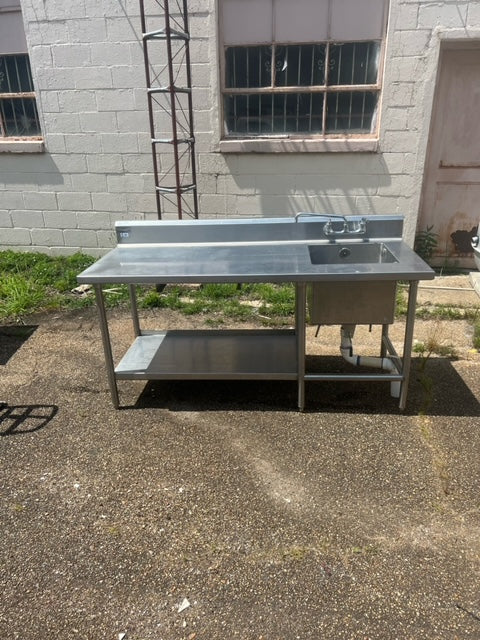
(351,111)
(20,117)
(15,75)
(248,67)
(300,65)
(353,63)
(255,114)
(287,108)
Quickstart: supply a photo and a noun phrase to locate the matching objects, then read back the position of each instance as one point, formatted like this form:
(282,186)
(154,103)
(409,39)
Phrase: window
(18,110)
(301,69)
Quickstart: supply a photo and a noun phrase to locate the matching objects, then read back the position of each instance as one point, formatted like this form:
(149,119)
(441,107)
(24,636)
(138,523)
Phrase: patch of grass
(476,335)
(401,303)
(272,294)
(218,291)
(152,299)
(19,296)
(58,273)
(277,300)
(34,282)
(31,282)
(446,312)
(433,347)
(222,301)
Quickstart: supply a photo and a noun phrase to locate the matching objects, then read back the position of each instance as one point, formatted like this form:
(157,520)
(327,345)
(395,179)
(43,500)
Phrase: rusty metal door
(451,189)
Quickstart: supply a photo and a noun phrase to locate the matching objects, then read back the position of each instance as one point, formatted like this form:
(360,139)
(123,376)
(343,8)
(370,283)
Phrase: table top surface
(243,262)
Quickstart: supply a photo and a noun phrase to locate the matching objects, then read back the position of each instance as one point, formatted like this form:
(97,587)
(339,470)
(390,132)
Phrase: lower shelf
(247,355)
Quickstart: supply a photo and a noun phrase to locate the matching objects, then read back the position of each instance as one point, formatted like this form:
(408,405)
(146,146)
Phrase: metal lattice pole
(170,107)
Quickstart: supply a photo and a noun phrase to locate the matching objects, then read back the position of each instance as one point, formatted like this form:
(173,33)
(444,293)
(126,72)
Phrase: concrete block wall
(88,72)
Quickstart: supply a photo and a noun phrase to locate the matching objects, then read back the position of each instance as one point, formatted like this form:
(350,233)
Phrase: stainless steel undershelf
(210,354)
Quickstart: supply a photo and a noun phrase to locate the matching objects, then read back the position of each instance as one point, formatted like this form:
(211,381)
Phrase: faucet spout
(324,216)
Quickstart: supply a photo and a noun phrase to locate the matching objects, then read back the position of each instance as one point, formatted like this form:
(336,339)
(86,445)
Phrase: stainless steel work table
(241,251)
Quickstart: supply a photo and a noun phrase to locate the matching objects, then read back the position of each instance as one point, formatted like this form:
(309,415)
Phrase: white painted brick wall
(16,237)
(88,71)
(26,219)
(94,220)
(106,163)
(5,219)
(109,202)
(81,238)
(74,201)
(38,200)
(63,219)
(47,237)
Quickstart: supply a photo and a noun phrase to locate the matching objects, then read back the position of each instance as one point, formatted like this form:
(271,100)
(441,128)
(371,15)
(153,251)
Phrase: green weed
(31,282)
(19,296)
(476,335)
(433,347)
(446,312)
(239,302)
(426,242)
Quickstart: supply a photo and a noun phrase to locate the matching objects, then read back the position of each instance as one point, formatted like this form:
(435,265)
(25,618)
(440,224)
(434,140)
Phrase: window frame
(315,142)
(19,143)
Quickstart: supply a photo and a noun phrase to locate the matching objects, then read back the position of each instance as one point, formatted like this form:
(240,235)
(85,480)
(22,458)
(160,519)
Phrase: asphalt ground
(215,510)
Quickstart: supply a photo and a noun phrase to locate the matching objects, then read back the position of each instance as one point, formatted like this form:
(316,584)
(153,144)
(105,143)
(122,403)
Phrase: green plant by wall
(426,242)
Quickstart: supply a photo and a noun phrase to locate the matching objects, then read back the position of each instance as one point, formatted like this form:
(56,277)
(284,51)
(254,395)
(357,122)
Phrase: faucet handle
(361,226)
(329,230)
(357,227)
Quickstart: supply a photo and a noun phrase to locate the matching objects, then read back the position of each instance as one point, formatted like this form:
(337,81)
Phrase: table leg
(107,347)
(408,341)
(134,310)
(383,346)
(300,328)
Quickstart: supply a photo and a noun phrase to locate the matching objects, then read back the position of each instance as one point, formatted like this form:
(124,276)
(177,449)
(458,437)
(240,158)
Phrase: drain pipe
(346,349)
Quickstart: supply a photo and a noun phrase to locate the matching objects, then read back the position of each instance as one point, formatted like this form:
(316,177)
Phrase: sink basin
(351,253)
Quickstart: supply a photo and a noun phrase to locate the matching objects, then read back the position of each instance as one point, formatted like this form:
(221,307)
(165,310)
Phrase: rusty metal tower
(166,49)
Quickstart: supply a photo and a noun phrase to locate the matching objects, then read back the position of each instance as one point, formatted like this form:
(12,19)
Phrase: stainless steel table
(272,250)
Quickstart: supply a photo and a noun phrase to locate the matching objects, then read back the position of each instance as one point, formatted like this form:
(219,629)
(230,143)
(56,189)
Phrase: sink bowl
(351,253)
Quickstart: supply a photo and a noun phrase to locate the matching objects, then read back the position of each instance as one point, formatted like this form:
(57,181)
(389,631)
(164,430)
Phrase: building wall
(89,76)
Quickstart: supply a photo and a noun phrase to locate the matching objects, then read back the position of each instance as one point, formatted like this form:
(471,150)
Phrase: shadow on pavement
(438,390)
(12,338)
(25,418)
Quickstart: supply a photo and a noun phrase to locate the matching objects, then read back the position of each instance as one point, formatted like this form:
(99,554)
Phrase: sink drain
(344,252)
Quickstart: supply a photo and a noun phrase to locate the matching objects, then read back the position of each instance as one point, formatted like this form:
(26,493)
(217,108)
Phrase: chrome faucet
(325,216)
(358,227)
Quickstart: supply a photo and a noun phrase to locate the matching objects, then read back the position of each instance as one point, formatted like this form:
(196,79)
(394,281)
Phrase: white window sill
(8,145)
(297,145)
